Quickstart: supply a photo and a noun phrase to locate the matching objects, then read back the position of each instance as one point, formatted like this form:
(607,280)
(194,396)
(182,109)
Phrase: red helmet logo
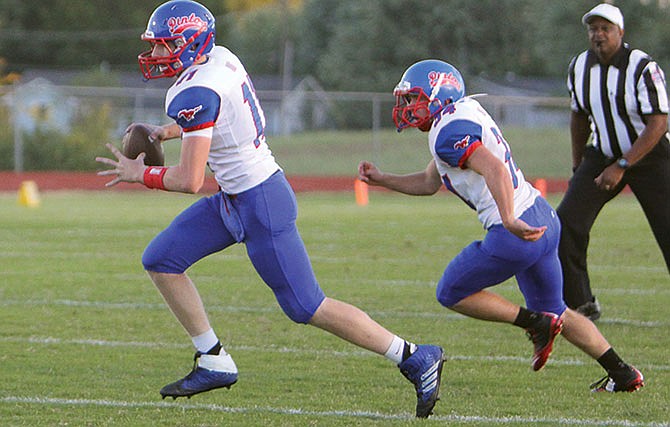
(178,25)
(438,79)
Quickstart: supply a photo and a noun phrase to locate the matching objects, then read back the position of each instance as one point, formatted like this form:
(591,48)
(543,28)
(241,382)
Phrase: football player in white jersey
(473,160)
(221,125)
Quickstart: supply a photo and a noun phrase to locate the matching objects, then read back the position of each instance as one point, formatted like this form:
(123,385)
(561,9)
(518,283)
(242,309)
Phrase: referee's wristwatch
(623,163)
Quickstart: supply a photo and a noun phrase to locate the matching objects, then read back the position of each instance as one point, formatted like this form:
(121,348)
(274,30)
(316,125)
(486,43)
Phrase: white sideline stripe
(213,308)
(314,352)
(22,254)
(445,314)
(141,276)
(298,411)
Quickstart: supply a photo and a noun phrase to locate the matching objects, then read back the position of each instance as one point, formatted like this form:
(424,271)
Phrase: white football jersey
(456,133)
(217,98)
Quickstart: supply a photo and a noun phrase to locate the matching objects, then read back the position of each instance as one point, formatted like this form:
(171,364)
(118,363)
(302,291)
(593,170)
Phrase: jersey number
(186,77)
(250,99)
(511,164)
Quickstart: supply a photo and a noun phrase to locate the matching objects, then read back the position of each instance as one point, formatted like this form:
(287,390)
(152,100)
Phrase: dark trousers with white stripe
(649,180)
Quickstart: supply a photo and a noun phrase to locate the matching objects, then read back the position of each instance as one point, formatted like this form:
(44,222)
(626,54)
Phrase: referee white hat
(607,11)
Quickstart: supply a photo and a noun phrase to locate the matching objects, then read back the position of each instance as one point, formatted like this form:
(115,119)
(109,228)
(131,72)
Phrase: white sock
(205,341)
(395,350)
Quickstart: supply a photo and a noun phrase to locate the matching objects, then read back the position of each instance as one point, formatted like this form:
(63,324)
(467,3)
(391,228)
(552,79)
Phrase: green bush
(47,149)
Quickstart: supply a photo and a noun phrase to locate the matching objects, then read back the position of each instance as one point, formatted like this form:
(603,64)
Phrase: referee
(618,97)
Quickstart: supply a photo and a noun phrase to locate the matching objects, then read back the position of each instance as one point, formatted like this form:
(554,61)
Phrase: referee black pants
(649,180)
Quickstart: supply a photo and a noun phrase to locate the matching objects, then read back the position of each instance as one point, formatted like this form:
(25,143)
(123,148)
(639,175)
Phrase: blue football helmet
(434,84)
(186,29)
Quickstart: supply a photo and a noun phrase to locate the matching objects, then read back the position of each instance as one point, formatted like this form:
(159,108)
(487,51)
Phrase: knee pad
(300,309)
(156,258)
(298,316)
(449,295)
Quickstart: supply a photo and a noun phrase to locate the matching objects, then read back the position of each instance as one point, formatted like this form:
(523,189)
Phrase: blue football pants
(264,219)
(502,255)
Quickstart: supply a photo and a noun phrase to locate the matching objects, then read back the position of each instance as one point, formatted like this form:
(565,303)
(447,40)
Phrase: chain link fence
(55,114)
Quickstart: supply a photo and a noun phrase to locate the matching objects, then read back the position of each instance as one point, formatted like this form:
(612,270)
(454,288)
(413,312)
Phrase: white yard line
(444,314)
(453,418)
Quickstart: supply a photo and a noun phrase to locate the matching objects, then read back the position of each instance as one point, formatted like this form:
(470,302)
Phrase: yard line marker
(17,254)
(293,350)
(464,419)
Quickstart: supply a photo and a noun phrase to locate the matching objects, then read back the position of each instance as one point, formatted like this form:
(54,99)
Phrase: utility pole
(286,71)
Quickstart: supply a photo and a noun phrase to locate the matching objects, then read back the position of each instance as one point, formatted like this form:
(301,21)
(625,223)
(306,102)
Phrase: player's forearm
(179,180)
(170,131)
(415,184)
(188,176)
(500,186)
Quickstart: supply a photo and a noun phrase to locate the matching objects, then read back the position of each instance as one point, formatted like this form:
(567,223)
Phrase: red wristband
(153,177)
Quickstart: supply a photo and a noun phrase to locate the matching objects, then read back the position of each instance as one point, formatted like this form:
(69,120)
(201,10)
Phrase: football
(136,141)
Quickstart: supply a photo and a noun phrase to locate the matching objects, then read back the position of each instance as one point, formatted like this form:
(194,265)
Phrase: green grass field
(85,339)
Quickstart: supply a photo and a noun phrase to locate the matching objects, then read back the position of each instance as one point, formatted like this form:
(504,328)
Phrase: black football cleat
(627,379)
(209,372)
(542,334)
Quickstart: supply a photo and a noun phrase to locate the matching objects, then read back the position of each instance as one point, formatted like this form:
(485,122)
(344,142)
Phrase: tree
(76,33)
(255,37)
(345,44)
(316,26)
(372,42)
(250,5)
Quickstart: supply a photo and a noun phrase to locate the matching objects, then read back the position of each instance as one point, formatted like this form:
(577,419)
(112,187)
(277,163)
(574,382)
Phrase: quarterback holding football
(221,124)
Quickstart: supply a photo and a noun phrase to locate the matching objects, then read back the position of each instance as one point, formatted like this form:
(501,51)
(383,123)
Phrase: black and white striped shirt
(616,97)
